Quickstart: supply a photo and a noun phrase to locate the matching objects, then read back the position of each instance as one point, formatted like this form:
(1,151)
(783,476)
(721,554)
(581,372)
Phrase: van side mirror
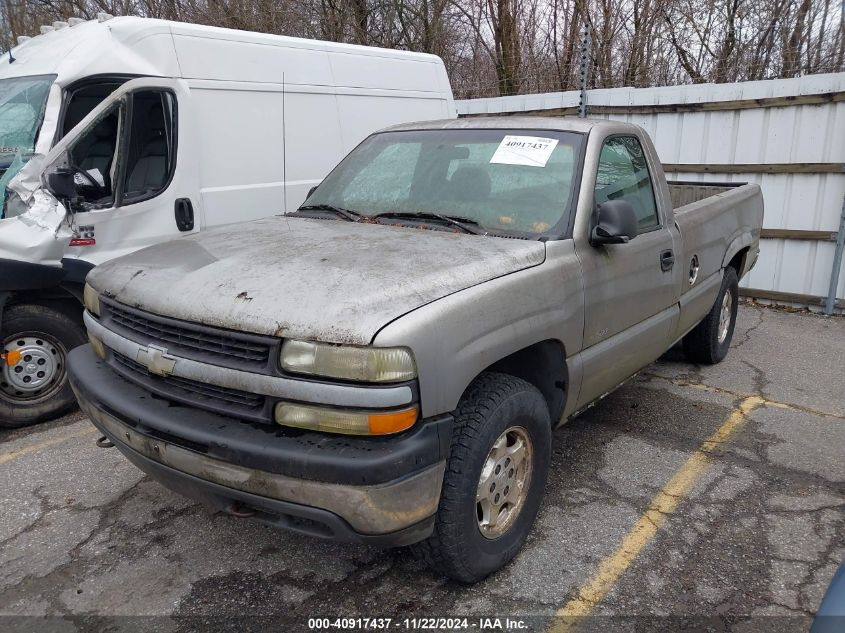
(61,184)
(310,191)
(616,223)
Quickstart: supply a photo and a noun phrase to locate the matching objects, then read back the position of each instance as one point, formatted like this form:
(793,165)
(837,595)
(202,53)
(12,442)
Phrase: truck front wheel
(35,340)
(709,341)
(494,481)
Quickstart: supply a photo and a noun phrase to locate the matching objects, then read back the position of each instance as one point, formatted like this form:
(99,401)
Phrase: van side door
(629,289)
(124,161)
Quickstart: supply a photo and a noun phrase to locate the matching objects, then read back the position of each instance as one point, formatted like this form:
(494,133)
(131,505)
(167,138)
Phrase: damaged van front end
(33,235)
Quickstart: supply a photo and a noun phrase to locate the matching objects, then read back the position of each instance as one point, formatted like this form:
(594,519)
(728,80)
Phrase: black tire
(61,333)
(493,404)
(702,344)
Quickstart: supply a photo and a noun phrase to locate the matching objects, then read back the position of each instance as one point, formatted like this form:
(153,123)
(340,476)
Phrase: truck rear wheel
(709,341)
(35,340)
(494,481)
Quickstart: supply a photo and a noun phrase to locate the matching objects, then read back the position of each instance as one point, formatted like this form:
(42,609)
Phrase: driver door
(629,289)
(124,159)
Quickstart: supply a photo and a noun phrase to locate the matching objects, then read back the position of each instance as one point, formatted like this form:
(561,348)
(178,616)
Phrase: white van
(175,128)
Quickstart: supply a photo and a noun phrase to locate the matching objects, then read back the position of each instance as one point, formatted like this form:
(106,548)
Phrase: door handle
(184,212)
(667,260)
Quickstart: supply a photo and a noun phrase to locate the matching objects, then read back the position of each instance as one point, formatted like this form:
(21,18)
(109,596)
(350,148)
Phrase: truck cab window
(93,156)
(623,174)
(389,175)
(459,173)
(150,153)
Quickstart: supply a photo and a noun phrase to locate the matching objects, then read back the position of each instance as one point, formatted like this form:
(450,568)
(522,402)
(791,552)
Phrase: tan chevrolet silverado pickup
(387,364)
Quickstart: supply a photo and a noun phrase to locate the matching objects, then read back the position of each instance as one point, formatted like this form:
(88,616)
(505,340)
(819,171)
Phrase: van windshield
(503,181)
(22,104)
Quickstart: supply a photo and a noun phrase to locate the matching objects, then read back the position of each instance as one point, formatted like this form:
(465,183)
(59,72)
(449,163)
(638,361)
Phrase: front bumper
(380,491)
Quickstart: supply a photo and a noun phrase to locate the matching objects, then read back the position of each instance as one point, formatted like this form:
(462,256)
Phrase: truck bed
(716,221)
(685,192)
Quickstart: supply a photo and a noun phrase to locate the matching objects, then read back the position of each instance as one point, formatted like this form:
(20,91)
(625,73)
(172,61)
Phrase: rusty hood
(328,280)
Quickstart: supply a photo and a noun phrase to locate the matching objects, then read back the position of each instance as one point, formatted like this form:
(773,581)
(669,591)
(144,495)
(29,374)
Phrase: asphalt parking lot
(690,492)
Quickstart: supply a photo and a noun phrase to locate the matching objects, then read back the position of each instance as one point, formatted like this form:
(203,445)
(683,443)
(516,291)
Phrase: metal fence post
(584,72)
(837,263)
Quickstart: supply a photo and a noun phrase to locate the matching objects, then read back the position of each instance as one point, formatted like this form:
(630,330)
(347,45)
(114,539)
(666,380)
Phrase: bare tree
(501,47)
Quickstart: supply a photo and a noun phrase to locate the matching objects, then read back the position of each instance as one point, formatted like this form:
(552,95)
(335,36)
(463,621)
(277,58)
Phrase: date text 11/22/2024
(418,624)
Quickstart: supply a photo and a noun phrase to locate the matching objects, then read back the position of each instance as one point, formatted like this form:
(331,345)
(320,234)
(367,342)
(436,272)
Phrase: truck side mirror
(60,183)
(616,223)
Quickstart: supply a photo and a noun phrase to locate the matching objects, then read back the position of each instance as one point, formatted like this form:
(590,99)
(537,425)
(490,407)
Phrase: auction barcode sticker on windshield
(533,151)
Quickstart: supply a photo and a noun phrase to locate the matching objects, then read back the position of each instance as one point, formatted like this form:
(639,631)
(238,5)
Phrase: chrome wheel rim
(725,316)
(503,485)
(40,371)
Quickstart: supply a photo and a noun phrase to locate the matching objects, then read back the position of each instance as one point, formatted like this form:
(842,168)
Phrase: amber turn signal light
(11,358)
(350,422)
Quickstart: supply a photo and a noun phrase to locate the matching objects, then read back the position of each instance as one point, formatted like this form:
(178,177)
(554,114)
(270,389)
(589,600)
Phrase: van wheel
(494,481)
(35,340)
(709,341)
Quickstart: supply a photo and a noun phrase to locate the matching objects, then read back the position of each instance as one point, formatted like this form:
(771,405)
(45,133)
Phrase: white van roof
(149,47)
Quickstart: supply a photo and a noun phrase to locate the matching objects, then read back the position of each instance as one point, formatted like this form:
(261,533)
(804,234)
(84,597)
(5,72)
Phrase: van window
(83,100)
(23,101)
(22,104)
(623,175)
(150,153)
(93,157)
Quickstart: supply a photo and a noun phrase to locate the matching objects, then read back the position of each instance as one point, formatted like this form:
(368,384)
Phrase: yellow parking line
(736,394)
(667,500)
(34,448)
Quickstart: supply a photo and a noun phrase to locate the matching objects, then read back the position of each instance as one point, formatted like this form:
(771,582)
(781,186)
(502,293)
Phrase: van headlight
(91,299)
(347,362)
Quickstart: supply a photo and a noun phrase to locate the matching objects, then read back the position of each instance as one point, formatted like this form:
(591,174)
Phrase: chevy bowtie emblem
(156,360)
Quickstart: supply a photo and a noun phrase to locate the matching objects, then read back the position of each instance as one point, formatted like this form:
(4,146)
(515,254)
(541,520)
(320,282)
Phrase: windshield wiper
(352,216)
(465,224)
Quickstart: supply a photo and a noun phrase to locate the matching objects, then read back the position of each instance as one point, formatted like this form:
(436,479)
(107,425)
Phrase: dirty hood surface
(327,280)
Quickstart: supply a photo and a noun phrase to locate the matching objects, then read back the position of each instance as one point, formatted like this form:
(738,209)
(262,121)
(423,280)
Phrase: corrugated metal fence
(788,135)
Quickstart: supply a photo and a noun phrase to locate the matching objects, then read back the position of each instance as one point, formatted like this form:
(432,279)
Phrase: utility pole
(584,71)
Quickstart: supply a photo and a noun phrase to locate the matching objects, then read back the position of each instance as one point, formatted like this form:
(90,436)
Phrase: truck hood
(328,280)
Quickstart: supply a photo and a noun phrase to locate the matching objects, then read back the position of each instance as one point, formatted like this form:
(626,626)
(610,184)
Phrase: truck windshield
(506,181)
(22,103)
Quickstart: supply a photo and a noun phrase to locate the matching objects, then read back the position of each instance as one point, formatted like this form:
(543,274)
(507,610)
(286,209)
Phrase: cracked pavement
(761,532)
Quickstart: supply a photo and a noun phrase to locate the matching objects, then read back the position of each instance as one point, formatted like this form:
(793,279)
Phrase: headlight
(91,299)
(344,420)
(360,364)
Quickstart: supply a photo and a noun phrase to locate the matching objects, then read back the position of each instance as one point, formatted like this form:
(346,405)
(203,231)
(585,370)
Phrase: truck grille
(225,348)
(222,400)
